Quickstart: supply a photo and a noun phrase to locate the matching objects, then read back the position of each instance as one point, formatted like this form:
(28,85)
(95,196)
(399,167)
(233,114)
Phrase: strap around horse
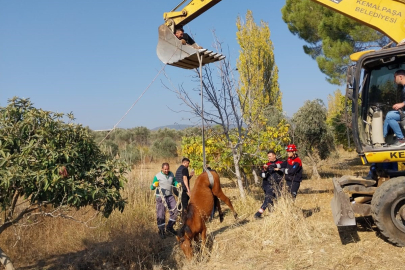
(210,178)
(180,189)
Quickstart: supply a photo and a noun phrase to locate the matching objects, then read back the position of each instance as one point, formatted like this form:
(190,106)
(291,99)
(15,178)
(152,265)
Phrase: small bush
(165,148)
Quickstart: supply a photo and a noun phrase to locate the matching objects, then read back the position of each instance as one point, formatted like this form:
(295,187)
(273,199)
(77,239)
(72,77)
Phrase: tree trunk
(238,174)
(255,177)
(5,260)
(315,173)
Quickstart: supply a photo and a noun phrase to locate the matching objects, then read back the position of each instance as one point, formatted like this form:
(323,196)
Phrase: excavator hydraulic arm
(191,11)
(386,16)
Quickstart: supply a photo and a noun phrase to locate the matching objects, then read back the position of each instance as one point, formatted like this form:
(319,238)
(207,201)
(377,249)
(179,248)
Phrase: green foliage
(110,147)
(331,36)
(311,134)
(136,144)
(258,142)
(165,148)
(36,146)
(256,65)
(160,134)
(141,135)
(339,118)
(131,154)
(219,155)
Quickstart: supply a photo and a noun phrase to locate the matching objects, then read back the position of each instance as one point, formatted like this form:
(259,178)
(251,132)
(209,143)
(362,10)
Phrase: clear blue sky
(95,57)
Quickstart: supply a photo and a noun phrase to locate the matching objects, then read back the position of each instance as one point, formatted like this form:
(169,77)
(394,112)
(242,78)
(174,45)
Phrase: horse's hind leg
(225,199)
(218,205)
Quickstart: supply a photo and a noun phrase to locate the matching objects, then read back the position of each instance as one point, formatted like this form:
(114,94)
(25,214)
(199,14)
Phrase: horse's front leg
(204,235)
(196,237)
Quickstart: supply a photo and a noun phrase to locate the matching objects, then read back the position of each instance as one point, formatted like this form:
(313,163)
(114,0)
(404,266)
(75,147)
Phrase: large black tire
(387,204)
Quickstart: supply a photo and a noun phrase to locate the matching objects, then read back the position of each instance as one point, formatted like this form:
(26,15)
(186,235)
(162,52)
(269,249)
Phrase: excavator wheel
(388,210)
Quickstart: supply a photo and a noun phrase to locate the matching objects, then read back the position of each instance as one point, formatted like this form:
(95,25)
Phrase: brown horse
(199,210)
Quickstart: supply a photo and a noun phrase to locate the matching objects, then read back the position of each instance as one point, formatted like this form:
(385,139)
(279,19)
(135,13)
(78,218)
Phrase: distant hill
(176,127)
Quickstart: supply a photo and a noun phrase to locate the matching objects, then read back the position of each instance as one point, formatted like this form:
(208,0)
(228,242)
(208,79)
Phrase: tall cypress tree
(257,68)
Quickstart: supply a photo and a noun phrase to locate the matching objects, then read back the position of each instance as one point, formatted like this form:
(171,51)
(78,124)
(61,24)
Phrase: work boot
(171,231)
(258,215)
(169,227)
(162,233)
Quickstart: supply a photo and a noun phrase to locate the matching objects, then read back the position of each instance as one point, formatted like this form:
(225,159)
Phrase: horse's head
(185,245)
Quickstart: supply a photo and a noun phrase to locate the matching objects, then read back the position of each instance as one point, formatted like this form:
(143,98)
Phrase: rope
(147,88)
(122,118)
(178,199)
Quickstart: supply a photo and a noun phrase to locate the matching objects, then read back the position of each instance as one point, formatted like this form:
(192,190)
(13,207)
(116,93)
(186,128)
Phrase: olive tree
(48,166)
(311,133)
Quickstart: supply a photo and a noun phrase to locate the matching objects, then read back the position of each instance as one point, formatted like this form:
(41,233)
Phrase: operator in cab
(392,117)
(185,38)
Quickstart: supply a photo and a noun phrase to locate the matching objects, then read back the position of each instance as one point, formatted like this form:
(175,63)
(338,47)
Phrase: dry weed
(295,235)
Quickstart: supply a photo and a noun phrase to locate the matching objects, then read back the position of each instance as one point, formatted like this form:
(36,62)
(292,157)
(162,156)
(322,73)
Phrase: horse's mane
(187,215)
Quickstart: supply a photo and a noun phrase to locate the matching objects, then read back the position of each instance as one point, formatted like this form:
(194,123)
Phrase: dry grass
(296,235)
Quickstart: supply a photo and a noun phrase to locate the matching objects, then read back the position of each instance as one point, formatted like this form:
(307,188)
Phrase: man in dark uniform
(185,38)
(271,181)
(183,177)
(292,169)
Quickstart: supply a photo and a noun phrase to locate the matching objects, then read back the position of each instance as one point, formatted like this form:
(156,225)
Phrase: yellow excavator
(372,90)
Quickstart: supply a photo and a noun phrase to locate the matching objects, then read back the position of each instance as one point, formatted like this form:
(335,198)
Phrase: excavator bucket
(343,213)
(171,51)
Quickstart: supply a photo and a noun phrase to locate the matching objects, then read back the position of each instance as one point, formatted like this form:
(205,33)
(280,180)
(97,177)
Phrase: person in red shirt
(292,169)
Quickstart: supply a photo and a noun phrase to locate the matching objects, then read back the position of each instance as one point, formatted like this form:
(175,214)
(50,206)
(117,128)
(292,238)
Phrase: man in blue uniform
(271,181)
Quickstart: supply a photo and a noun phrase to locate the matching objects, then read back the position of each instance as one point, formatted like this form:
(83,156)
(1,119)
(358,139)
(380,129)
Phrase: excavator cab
(378,92)
(171,51)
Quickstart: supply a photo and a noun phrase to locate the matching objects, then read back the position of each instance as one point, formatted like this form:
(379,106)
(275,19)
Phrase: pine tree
(331,36)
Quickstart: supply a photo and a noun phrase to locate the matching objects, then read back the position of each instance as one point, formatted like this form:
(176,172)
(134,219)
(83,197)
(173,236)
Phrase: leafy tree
(331,36)
(312,135)
(165,148)
(45,161)
(219,155)
(258,72)
(259,88)
(110,147)
(131,154)
(166,133)
(339,117)
(141,135)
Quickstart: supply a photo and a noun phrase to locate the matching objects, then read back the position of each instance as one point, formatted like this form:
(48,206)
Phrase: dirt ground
(314,242)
